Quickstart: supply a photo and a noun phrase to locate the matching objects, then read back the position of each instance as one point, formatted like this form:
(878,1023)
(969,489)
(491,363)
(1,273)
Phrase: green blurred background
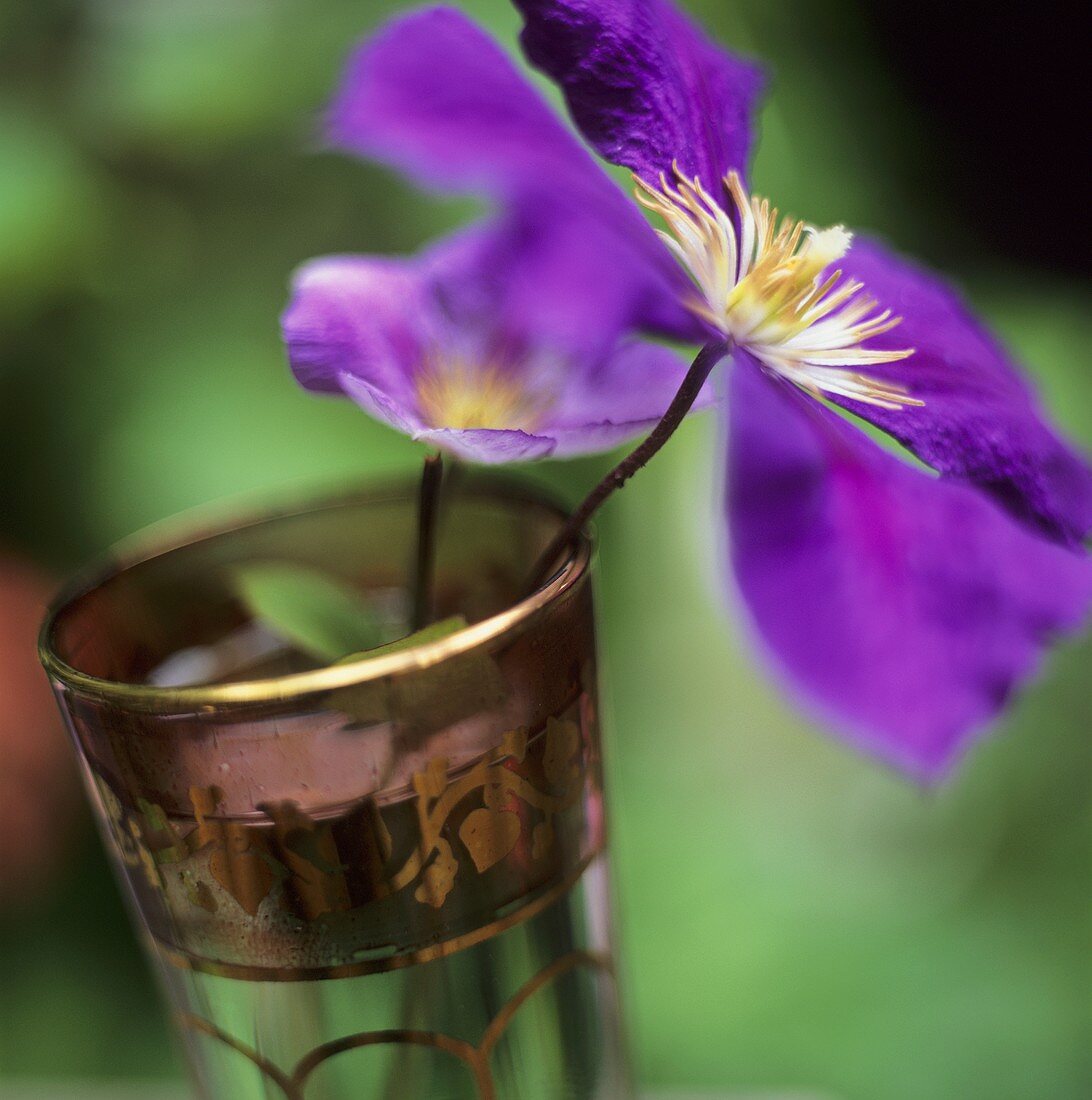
(793,916)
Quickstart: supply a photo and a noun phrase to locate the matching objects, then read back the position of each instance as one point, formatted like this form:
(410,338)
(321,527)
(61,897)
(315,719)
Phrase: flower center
(764,286)
(455,393)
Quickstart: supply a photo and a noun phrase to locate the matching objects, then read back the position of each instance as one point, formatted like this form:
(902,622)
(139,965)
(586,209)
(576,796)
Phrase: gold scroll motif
(442,950)
(475,1058)
(294,860)
(491,832)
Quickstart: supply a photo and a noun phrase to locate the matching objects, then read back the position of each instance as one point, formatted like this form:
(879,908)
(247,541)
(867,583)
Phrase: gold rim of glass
(212,521)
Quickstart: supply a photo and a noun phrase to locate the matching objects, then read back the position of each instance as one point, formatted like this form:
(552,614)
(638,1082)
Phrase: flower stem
(424,565)
(709,356)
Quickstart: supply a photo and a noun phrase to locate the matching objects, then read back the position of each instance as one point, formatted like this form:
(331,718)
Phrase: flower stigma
(454,392)
(765,286)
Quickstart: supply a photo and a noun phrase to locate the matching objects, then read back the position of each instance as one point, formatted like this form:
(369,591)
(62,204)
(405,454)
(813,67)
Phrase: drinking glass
(381,876)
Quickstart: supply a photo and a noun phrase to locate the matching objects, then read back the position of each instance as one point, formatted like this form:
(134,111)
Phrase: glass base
(529,1014)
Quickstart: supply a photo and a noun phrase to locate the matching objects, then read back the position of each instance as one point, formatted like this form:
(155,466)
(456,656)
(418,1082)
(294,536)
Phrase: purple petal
(400,412)
(624,396)
(541,283)
(376,319)
(645,85)
(907,607)
(981,421)
(577,285)
(365,325)
(489,445)
(434,96)
(366,317)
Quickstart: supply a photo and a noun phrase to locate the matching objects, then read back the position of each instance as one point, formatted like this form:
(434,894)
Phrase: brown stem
(687,394)
(424,566)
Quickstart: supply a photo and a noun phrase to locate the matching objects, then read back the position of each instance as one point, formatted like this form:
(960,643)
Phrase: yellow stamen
(455,393)
(765,286)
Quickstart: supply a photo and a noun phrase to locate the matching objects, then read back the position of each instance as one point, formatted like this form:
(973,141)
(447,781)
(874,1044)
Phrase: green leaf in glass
(319,614)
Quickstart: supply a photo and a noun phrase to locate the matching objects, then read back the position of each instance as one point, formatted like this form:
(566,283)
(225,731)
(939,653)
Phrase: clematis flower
(905,605)
(508,340)
(438,346)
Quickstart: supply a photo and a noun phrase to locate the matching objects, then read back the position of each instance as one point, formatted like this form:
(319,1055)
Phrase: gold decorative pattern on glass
(474,1057)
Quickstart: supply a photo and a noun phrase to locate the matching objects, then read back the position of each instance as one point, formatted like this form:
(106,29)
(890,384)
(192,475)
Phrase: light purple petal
(366,316)
(981,421)
(362,327)
(645,85)
(624,396)
(433,95)
(907,607)
(489,445)
(400,412)
(365,325)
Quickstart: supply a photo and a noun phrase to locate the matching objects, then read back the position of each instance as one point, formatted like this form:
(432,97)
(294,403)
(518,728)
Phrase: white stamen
(767,288)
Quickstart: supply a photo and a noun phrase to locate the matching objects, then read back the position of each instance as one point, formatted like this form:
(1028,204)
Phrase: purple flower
(439,346)
(507,341)
(905,605)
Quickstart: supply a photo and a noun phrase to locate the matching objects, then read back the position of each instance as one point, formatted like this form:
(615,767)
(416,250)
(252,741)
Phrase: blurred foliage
(791,915)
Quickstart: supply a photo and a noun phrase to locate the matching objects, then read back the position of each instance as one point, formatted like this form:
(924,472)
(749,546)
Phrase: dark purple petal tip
(645,85)
(981,422)
(907,607)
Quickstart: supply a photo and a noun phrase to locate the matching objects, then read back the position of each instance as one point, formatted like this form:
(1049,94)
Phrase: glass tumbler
(378,877)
